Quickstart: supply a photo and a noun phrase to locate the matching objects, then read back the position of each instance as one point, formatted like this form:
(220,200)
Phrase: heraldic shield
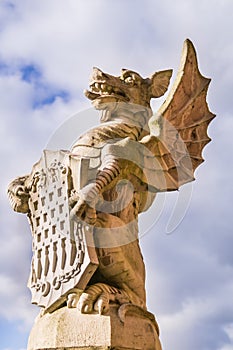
(64,256)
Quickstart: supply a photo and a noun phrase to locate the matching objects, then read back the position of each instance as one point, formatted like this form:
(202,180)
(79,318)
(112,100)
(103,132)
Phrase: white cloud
(193,324)
(229,332)
(12,349)
(189,290)
(14,303)
(67,49)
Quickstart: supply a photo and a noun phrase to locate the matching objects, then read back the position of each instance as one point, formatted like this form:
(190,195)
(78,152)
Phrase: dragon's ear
(159,82)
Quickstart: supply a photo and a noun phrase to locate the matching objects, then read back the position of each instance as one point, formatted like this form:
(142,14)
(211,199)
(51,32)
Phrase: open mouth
(101,89)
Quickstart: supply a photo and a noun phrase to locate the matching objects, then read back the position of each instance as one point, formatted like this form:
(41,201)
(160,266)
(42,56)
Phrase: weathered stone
(84,212)
(69,329)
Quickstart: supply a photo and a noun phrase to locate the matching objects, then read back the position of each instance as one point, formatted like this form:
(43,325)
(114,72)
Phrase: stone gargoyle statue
(83,204)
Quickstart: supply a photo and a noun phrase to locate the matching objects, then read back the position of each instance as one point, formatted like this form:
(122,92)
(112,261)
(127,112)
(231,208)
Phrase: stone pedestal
(124,328)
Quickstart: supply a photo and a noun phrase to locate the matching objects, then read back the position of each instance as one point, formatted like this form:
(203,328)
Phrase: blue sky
(47,51)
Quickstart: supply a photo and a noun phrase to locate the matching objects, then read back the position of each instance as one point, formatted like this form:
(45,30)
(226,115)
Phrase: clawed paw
(89,303)
(93,300)
(72,300)
(96,298)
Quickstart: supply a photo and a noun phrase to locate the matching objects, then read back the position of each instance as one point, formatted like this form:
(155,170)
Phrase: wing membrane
(184,119)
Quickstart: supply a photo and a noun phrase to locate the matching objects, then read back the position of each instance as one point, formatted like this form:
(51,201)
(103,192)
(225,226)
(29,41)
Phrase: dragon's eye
(129,80)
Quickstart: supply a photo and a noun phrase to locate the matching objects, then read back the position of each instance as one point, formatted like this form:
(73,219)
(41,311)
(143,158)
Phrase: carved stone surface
(83,206)
(61,259)
(128,328)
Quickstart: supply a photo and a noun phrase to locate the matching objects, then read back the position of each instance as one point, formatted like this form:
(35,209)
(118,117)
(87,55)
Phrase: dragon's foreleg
(87,198)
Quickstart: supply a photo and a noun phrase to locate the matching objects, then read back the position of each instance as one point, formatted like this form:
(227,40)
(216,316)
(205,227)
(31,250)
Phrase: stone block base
(123,328)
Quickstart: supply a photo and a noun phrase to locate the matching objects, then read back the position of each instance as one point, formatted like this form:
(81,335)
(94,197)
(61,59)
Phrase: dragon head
(129,87)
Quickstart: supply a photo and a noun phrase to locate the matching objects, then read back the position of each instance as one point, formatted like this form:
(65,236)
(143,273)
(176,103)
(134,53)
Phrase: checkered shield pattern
(62,260)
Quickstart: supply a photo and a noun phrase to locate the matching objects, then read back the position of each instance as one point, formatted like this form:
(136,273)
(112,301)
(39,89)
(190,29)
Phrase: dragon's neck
(127,113)
(127,121)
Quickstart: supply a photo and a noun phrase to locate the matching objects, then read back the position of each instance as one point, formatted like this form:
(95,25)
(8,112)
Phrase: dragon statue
(130,157)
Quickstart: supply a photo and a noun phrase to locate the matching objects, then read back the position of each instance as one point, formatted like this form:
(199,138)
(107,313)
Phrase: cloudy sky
(47,51)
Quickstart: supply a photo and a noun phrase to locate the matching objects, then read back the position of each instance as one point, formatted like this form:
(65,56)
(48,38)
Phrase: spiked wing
(184,119)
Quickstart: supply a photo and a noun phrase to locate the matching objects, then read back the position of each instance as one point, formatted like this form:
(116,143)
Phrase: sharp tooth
(97,85)
(93,88)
